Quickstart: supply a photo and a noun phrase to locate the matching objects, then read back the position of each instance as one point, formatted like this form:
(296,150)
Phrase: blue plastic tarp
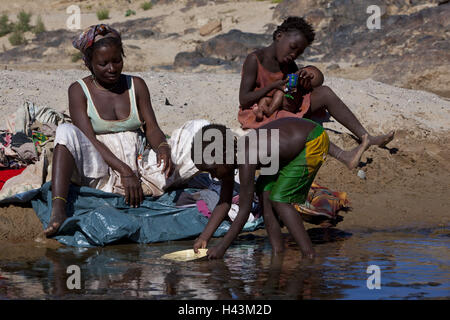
(97,218)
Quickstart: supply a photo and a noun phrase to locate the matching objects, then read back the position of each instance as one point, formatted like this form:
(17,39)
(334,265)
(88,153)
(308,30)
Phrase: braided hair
(296,24)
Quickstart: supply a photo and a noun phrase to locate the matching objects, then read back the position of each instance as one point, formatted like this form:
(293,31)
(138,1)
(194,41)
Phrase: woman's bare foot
(57,218)
(381,140)
(351,158)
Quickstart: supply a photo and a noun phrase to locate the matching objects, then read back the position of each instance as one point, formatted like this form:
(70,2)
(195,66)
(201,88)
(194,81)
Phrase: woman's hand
(200,244)
(163,153)
(133,189)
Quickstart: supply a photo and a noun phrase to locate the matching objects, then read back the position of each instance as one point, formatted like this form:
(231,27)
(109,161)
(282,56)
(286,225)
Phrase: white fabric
(93,171)
(234,210)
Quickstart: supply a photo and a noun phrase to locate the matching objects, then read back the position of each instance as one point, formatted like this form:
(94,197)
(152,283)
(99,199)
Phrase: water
(414,264)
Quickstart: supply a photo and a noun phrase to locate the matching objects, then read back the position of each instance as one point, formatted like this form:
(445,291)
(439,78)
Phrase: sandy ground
(407,185)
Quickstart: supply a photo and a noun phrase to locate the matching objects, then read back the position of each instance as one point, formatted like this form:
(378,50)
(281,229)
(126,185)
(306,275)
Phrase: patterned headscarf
(91,35)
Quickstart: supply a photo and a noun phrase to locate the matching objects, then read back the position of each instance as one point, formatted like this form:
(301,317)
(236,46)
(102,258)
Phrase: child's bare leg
(259,110)
(271,223)
(294,222)
(275,104)
(63,166)
(324,97)
(349,158)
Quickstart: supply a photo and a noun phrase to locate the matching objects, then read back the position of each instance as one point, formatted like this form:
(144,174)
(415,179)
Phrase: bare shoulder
(252,57)
(76,94)
(140,85)
(138,81)
(75,88)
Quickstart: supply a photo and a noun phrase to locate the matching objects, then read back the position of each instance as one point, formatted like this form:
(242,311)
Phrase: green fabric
(314,133)
(292,183)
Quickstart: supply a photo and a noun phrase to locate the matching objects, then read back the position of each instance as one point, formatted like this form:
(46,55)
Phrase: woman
(264,72)
(108,108)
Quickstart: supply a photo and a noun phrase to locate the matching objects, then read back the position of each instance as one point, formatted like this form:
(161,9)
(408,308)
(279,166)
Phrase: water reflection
(414,265)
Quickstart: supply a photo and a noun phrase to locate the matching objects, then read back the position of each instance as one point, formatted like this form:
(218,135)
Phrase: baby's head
(317,80)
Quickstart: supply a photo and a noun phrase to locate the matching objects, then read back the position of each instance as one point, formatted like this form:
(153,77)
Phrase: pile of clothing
(26,146)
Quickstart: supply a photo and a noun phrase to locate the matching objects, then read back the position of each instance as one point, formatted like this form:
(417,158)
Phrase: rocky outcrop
(411,49)
(39,47)
(228,50)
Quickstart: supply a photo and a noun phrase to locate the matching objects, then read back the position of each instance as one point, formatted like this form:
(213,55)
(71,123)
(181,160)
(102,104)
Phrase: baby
(289,99)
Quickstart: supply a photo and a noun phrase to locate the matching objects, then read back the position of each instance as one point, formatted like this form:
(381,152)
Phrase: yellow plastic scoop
(185,255)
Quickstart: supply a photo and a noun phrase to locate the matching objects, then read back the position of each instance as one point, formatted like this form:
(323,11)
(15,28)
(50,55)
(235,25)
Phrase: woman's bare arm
(153,132)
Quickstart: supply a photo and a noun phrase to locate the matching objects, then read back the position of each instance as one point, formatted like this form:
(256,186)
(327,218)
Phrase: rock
(333,66)
(297,7)
(361,174)
(190,30)
(228,50)
(189,60)
(141,34)
(234,45)
(211,28)
(270,28)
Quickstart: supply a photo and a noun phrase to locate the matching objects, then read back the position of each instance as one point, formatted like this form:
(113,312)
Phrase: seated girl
(108,110)
(264,72)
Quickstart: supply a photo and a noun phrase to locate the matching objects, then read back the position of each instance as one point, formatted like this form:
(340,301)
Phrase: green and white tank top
(101,126)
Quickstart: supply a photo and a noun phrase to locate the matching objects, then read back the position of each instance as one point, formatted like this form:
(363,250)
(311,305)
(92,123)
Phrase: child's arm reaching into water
(247,186)
(219,213)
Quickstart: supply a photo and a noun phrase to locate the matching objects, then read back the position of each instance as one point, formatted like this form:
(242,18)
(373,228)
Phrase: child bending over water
(299,151)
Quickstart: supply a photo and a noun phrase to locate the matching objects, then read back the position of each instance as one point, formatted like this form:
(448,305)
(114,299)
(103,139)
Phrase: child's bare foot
(381,140)
(56,220)
(351,158)
(258,113)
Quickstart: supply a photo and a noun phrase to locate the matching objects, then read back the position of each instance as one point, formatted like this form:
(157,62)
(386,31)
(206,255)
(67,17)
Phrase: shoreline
(407,182)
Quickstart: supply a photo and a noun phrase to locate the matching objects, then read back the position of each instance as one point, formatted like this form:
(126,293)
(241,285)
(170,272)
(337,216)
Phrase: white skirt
(93,171)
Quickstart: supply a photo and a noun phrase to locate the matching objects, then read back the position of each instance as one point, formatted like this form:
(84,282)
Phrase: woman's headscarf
(91,35)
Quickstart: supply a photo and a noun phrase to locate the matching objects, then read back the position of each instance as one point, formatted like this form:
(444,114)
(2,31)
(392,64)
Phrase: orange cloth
(322,202)
(247,117)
